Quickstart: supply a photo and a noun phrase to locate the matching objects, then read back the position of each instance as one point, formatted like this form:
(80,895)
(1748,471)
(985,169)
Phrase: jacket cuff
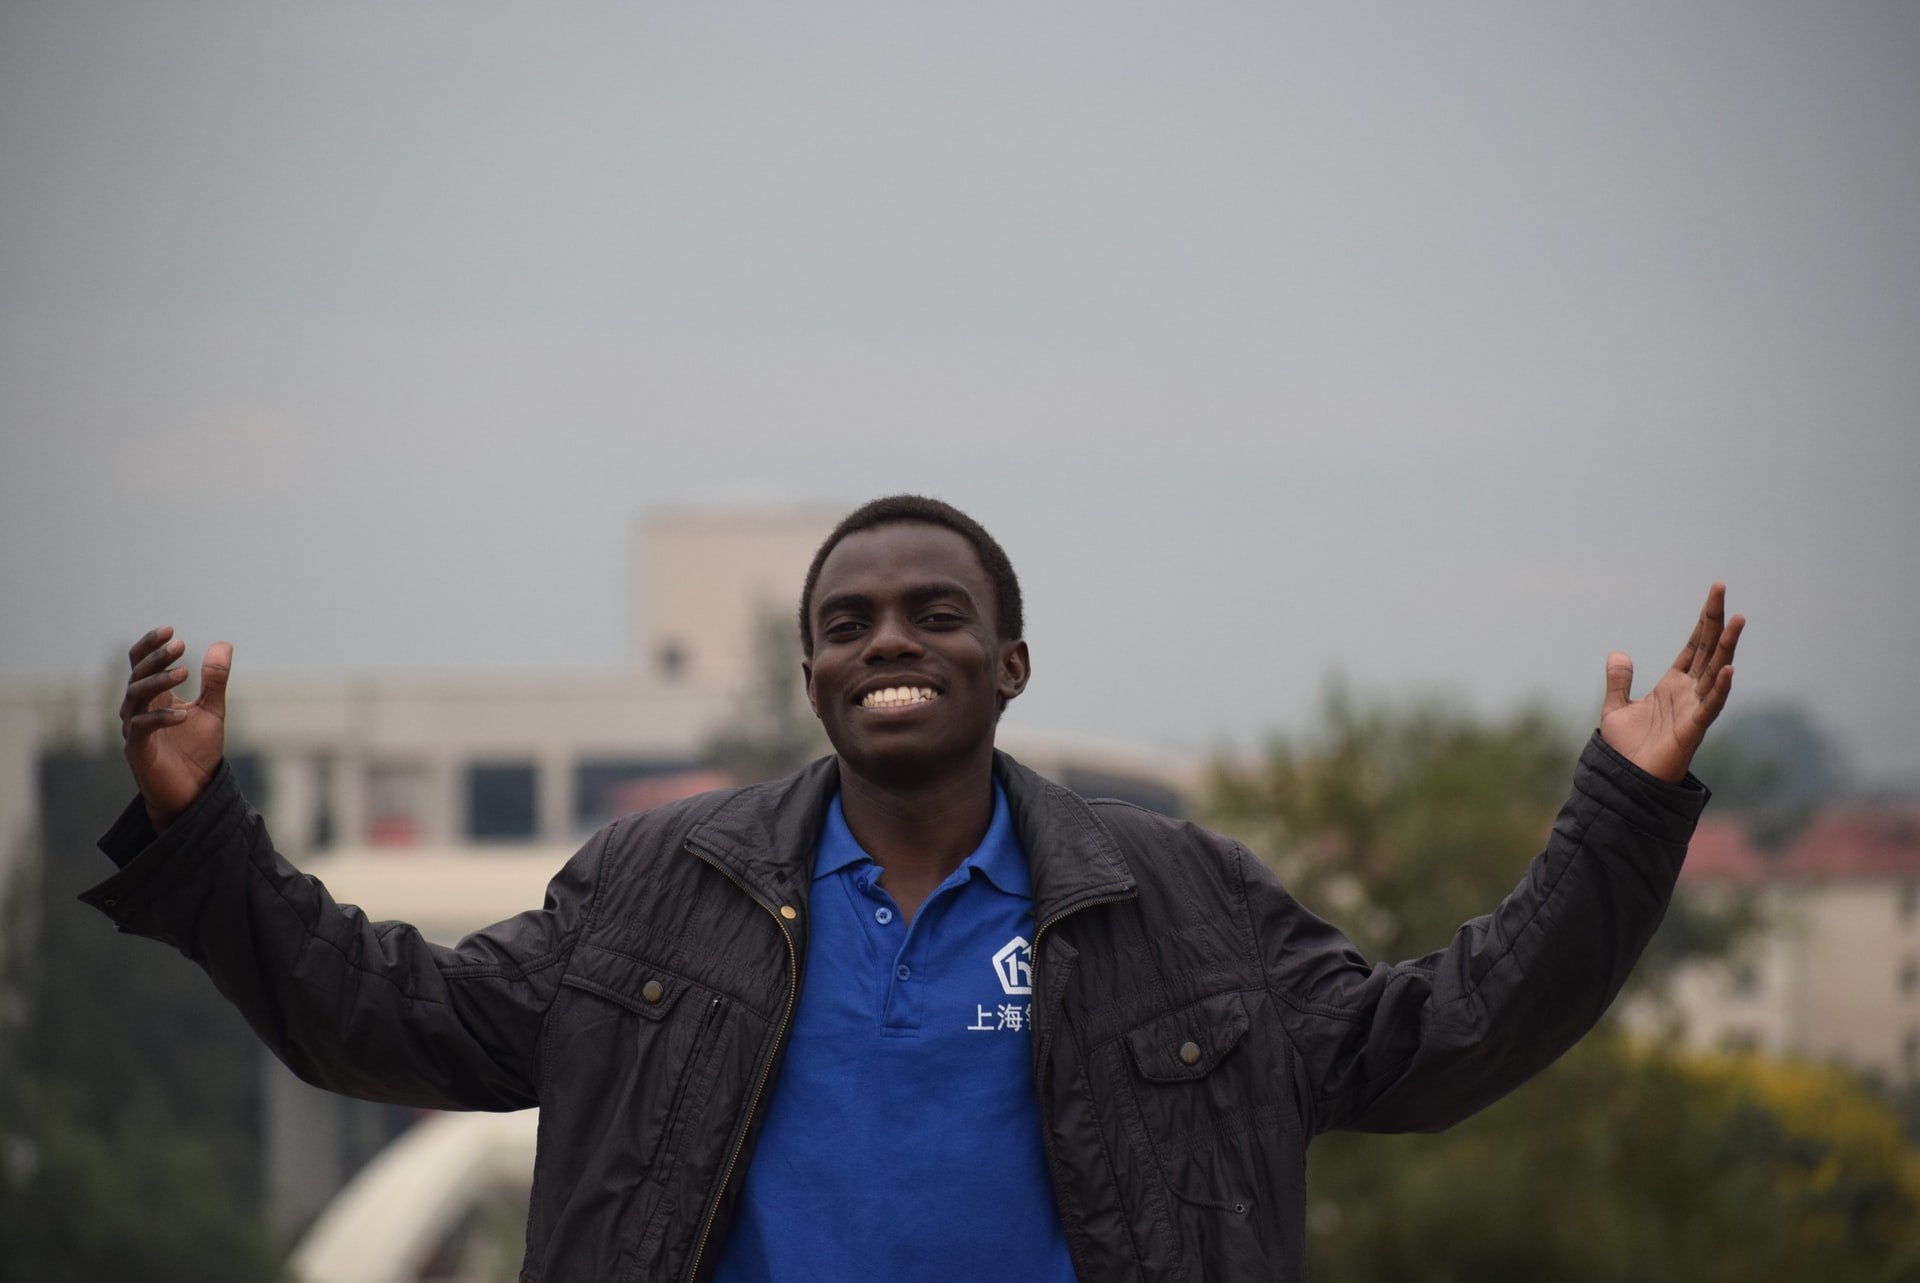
(131,834)
(153,863)
(1651,804)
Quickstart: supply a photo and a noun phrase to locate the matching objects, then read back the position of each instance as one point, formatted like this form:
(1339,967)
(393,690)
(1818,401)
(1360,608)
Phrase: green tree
(128,1089)
(1623,1164)
(1774,766)
(772,731)
(1400,822)
(1615,1164)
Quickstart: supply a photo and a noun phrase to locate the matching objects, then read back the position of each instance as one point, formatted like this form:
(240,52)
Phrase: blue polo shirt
(902,1141)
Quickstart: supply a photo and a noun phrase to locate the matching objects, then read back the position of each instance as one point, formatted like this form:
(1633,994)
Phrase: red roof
(1848,842)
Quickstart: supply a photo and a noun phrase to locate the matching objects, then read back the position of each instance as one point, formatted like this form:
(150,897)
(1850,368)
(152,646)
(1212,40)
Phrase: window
(501,801)
(673,660)
(325,828)
(250,773)
(399,797)
(607,788)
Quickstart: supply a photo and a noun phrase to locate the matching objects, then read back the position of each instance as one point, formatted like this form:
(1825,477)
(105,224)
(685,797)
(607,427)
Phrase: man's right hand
(173,746)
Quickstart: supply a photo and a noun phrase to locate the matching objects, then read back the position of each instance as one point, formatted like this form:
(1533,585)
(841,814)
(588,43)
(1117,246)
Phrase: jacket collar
(765,837)
(1073,858)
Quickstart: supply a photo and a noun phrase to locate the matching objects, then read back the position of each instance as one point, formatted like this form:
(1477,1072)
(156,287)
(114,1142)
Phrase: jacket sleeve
(369,1009)
(1421,1045)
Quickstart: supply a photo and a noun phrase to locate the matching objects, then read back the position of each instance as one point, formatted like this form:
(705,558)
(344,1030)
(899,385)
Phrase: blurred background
(1344,384)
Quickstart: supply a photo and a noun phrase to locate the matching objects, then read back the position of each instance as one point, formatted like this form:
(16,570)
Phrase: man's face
(908,669)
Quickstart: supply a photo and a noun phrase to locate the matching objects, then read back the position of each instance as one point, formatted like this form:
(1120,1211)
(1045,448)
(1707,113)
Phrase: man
(915,1013)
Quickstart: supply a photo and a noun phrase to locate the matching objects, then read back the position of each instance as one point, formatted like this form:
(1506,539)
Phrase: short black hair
(1009,619)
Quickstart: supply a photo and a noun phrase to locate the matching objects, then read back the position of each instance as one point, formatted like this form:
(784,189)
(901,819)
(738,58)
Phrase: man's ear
(1015,668)
(806,675)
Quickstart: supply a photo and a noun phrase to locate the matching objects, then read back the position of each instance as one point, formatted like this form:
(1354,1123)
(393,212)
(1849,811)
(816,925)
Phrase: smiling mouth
(899,697)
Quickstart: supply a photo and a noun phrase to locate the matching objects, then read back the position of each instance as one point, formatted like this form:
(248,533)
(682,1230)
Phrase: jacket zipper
(766,1067)
(1046,1043)
(1041,934)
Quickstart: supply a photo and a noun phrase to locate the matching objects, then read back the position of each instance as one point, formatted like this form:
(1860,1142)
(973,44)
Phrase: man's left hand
(1660,731)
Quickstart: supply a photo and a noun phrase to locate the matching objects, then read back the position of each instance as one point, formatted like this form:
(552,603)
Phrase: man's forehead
(905,546)
(902,550)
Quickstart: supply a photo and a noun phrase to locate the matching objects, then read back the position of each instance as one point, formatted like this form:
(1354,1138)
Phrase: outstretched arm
(1424,1043)
(1660,731)
(367,1008)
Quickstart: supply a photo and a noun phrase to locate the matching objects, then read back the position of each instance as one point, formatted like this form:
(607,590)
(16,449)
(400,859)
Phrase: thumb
(214,670)
(1619,682)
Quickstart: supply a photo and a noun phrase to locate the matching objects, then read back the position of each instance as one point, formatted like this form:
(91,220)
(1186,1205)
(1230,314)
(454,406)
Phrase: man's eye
(944,617)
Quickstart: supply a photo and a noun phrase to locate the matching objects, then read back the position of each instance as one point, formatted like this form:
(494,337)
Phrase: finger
(146,723)
(1716,699)
(214,671)
(1619,682)
(148,641)
(1706,633)
(146,693)
(1723,653)
(157,659)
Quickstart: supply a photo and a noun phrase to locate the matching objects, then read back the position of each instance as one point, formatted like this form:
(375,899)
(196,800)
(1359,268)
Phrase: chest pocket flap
(1186,1044)
(640,987)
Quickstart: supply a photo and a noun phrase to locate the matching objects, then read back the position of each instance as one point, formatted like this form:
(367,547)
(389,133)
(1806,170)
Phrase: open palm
(1660,731)
(173,745)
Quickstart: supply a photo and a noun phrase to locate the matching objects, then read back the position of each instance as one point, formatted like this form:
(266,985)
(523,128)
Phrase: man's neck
(920,832)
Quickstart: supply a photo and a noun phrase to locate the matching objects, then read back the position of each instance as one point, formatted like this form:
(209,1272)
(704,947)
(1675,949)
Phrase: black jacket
(1192,1025)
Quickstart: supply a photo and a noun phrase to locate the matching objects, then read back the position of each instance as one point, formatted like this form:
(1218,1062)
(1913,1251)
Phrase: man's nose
(892,637)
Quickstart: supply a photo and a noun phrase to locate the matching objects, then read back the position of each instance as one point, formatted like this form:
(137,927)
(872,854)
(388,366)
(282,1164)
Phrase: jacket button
(652,990)
(1189,1053)
(788,912)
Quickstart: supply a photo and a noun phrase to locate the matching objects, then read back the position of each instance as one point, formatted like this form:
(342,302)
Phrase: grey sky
(1445,347)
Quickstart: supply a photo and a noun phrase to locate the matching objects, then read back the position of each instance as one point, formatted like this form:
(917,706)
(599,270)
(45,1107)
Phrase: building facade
(1832,971)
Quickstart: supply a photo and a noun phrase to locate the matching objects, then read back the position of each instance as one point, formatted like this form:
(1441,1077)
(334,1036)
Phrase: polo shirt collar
(998,858)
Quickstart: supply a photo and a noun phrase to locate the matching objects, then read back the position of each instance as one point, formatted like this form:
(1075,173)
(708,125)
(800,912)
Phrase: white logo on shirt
(1007,1015)
(1014,965)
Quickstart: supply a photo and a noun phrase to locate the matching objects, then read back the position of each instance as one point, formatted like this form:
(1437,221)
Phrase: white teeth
(898,697)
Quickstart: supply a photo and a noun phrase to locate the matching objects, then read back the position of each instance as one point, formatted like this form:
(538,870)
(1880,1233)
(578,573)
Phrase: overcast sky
(1444,347)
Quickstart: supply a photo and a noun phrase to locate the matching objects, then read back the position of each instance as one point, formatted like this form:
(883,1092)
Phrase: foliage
(772,731)
(128,1090)
(1400,823)
(1617,1163)
(1774,766)
(1622,1164)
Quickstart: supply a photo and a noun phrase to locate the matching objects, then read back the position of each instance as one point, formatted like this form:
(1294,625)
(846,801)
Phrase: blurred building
(448,801)
(530,756)
(1832,973)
